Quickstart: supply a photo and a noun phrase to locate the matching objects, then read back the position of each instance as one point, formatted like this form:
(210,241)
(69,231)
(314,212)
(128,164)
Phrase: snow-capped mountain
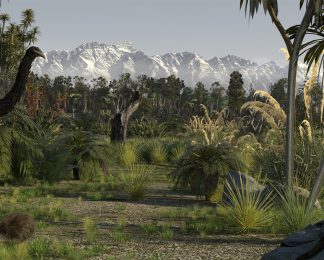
(93,60)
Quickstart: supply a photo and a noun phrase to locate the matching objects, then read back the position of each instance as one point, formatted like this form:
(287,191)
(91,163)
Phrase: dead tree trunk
(119,122)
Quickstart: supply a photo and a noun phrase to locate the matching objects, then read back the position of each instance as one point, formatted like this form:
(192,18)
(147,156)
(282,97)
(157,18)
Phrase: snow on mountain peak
(110,61)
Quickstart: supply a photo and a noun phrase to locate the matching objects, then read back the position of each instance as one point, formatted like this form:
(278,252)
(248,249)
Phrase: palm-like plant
(203,165)
(19,146)
(88,151)
(313,12)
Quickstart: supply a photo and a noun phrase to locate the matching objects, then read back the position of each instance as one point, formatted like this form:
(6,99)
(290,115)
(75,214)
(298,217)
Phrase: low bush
(135,180)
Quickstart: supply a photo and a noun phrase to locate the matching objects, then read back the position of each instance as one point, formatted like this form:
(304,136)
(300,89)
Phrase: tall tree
(278,91)
(313,12)
(217,96)
(14,40)
(235,93)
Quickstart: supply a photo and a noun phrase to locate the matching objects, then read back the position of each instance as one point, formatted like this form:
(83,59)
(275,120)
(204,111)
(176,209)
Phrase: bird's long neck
(8,103)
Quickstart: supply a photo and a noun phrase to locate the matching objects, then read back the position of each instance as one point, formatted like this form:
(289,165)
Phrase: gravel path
(140,246)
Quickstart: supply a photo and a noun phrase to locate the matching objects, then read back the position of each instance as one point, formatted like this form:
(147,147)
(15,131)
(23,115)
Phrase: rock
(239,182)
(274,189)
(299,243)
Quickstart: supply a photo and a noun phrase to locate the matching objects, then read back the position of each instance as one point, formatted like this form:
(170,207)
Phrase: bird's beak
(41,54)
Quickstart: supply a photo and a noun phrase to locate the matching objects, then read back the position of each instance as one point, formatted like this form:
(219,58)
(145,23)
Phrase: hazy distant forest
(104,167)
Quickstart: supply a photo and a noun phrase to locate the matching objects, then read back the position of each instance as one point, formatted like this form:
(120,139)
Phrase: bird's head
(35,52)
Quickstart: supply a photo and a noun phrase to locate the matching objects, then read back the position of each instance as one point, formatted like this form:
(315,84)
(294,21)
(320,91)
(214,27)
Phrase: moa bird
(8,103)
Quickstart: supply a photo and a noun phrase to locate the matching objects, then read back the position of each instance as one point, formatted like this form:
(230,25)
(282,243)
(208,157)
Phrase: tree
(200,95)
(125,99)
(14,40)
(294,44)
(217,96)
(278,91)
(235,93)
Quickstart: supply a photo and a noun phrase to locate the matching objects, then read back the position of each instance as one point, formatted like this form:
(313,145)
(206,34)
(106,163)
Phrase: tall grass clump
(178,152)
(127,153)
(90,229)
(15,252)
(134,180)
(293,212)
(157,154)
(248,211)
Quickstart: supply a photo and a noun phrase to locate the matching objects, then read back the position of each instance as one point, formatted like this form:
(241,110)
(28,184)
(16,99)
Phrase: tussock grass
(135,180)
(248,210)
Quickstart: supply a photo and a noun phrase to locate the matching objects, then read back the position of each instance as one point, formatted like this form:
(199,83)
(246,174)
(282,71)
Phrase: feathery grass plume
(266,116)
(276,114)
(301,132)
(307,130)
(309,85)
(207,140)
(286,53)
(206,114)
(271,101)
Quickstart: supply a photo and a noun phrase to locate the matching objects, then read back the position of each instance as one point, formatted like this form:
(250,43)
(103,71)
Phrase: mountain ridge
(94,59)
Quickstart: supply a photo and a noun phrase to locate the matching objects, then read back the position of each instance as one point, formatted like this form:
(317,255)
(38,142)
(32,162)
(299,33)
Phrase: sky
(209,27)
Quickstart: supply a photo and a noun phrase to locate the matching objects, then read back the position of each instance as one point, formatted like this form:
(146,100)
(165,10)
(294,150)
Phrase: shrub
(249,211)
(147,128)
(134,181)
(177,152)
(202,166)
(90,229)
(158,153)
(293,212)
(39,248)
(166,233)
(127,153)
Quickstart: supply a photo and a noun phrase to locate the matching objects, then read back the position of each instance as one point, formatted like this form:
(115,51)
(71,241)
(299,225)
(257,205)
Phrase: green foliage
(293,213)
(166,233)
(15,252)
(90,229)
(127,153)
(15,38)
(119,235)
(202,166)
(19,146)
(135,180)
(150,228)
(87,152)
(147,128)
(249,211)
(177,152)
(39,248)
(236,93)
(158,154)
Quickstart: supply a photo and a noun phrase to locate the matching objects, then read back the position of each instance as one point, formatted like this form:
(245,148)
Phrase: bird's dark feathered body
(18,226)
(8,103)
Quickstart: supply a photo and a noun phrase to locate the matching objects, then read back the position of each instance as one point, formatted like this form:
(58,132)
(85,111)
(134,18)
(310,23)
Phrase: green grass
(292,213)
(135,180)
(248,211)
(166,233)
(127,153)
(150,228)
(90,229)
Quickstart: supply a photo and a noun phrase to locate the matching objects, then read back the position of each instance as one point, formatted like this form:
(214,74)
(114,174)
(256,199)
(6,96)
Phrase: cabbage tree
(312,16)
